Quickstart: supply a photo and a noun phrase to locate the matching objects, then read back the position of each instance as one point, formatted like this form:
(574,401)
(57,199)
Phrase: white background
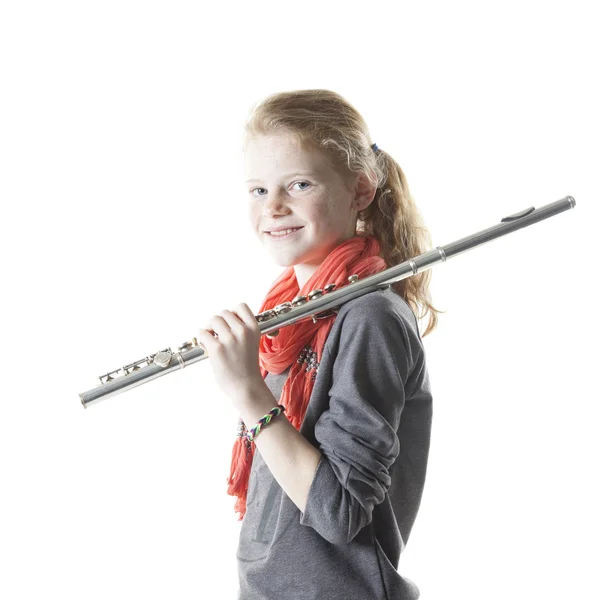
(124,229)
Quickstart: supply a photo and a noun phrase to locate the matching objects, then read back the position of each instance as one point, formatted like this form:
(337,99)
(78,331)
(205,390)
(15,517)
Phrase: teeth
(283,232)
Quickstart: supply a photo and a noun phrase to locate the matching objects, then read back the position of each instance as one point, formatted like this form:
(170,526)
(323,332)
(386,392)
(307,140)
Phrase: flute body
(318,304)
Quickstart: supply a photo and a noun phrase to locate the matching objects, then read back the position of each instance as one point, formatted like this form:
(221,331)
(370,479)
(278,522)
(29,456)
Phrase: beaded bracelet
(251,435)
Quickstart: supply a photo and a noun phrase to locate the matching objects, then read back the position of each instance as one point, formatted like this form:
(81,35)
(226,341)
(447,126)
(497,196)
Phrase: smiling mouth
(282,236)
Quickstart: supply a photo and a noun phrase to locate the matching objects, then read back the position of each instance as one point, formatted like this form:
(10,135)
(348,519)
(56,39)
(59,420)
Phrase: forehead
(271,155)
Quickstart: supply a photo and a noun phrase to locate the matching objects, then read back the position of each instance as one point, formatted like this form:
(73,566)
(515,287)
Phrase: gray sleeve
(357,434)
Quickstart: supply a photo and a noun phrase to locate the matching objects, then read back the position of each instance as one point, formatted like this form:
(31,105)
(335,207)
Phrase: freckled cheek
(321,213)
(324,219)
(254,218)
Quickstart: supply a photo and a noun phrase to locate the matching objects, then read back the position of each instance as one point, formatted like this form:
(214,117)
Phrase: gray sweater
(370,416)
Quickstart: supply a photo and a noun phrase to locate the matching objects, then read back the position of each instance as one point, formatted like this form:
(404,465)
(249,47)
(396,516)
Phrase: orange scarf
(358,255)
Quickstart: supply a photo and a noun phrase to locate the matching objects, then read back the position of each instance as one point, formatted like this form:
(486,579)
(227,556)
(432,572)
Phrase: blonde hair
(324,120)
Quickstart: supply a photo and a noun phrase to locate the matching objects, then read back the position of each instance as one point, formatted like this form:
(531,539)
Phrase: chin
(282,261)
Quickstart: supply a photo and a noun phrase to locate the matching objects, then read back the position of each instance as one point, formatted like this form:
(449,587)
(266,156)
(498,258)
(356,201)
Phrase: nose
(275,204)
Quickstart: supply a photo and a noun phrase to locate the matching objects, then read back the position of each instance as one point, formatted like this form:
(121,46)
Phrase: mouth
(283,236)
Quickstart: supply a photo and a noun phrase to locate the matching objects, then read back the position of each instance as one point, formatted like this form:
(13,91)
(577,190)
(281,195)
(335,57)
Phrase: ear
(364,192)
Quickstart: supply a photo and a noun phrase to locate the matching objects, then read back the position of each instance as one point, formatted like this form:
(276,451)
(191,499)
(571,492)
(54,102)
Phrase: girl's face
(289,186)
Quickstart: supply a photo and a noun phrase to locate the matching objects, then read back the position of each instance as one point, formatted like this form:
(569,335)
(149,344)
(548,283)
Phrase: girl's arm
(290,457)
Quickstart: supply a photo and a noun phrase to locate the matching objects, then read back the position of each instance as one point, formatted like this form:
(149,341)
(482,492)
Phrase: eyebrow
(294,173)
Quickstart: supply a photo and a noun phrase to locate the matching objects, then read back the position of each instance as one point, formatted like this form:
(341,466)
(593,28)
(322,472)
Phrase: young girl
(335,415)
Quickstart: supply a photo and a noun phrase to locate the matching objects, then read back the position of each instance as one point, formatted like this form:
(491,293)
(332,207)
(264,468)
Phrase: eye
(252,190)
(301,182)
(296,182)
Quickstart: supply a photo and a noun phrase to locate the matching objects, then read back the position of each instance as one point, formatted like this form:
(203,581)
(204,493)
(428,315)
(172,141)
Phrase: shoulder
(370,318)
(385,305)
(372,336)
(377,320)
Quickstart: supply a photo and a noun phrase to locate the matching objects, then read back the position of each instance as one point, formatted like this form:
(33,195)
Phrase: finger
(234,321)
(245,313)
(219,324)
(206,340)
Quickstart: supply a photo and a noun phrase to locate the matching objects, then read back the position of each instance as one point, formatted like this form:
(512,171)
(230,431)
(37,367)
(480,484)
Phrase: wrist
(254,402)
(251,393)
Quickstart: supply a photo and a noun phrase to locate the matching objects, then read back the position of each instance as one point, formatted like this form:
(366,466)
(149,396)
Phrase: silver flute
(319,304)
